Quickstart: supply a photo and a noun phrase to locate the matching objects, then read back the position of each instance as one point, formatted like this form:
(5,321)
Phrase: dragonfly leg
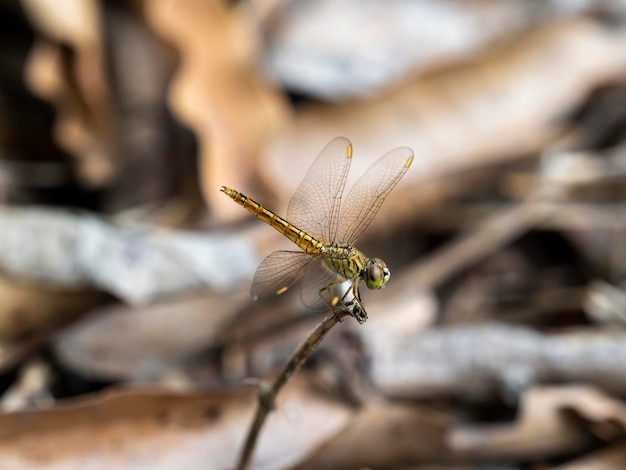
(350,300)
(331,300)
(354,305)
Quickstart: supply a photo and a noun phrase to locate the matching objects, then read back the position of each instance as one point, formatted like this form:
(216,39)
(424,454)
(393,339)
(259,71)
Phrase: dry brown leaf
(383,435)
(501,106)
(543,428)
(76,84)
(27,309)
(144,429)
(611,458)
(219,90)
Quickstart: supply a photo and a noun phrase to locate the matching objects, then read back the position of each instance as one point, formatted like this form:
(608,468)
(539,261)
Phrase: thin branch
(267,395)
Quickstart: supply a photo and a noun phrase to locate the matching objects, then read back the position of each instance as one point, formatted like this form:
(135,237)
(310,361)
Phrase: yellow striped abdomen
(300,238)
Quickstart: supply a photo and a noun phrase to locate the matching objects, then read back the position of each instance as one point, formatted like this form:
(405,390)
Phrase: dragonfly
(329,268)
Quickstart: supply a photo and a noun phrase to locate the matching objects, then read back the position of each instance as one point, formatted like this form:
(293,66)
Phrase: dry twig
(267,395)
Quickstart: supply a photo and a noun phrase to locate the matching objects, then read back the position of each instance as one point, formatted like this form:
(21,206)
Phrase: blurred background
(126,327)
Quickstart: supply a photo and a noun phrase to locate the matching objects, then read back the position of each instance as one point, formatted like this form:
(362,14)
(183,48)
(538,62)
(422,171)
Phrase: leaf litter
(126,331)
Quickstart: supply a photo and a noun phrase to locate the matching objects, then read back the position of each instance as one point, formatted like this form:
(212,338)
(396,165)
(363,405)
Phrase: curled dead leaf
(219,91)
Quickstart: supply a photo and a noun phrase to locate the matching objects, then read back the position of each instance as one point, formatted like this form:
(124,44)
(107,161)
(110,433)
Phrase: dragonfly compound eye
(377,274)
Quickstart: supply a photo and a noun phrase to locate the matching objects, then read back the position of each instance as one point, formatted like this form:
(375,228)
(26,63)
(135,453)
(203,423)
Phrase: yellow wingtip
(282,290)
(408,162)
(349,150)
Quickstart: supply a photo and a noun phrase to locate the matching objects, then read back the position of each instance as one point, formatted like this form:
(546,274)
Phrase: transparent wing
(314,207)
(370,191)
(316,277)
(278,272)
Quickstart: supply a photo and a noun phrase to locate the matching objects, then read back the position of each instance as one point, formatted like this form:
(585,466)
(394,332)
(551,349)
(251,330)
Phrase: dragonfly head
(377,273)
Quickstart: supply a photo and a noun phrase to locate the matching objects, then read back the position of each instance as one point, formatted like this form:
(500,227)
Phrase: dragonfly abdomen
(293,233)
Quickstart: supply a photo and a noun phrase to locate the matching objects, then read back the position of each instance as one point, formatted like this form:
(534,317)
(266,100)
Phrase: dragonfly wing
(314,208)
(278,272)
(370,191)
(316,277)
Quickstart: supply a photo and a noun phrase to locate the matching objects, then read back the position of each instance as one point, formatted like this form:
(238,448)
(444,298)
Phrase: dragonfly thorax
(350,263)
(345,260)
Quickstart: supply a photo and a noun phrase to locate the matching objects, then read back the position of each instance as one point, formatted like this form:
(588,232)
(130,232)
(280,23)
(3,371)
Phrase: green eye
(377,274)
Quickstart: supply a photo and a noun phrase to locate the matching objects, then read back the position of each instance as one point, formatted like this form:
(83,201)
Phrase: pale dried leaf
(138,265)
(149,343)
(478,362)
(71,21)
(337,49)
